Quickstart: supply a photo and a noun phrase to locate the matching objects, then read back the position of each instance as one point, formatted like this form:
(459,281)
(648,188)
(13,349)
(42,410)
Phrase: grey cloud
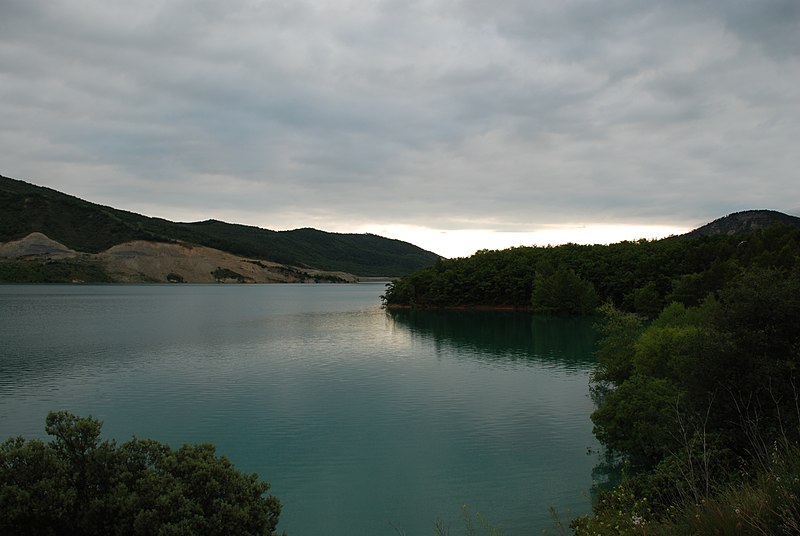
(433,113)
(771,24)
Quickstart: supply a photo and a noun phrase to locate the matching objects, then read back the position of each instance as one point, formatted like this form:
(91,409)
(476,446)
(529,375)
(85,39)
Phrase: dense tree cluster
(562,291)
(731,360)
(78,484)
(704,402)
(640,277)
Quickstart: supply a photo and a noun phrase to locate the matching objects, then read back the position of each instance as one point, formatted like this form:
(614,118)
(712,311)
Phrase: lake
(364,421)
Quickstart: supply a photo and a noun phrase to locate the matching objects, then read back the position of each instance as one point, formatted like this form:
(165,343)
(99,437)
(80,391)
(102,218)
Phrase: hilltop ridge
(745,221)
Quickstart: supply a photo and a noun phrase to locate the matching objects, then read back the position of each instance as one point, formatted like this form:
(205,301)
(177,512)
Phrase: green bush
(78,484)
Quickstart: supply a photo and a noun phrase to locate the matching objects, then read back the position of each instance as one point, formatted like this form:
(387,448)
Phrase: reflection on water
(360,418)
(503,335)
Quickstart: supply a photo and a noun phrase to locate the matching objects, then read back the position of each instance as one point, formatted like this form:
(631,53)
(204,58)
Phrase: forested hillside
(92,228)
(639,277)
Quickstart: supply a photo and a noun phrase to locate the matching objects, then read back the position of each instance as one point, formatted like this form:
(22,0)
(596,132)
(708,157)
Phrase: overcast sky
(454,124)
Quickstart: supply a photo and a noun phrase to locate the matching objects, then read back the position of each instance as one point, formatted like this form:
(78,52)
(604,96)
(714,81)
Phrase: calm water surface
(363,420)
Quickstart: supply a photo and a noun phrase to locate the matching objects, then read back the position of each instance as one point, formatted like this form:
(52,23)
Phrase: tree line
(640,276)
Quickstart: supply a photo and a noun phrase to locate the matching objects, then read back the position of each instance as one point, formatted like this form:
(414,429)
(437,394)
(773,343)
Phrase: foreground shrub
(77,484)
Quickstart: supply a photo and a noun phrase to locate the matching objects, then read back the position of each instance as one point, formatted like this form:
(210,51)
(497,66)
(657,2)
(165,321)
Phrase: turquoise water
(365,421)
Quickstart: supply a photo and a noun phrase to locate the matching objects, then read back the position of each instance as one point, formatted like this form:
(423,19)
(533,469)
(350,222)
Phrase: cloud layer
(446,114)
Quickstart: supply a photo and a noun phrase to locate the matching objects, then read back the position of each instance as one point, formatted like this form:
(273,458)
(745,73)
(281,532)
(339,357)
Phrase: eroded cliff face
(143,261)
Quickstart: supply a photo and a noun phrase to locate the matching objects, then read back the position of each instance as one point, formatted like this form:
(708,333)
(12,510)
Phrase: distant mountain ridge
(87,227)
(745,221)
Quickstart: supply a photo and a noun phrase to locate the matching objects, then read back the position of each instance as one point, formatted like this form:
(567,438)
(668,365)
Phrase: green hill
(92,228)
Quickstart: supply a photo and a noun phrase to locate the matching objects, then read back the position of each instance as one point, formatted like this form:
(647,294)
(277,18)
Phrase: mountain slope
(38,259)
(92,228)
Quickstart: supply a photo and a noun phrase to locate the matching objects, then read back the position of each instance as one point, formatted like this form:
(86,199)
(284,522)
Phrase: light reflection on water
(359,418)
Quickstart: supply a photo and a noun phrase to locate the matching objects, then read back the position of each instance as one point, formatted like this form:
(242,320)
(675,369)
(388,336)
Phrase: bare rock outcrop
(35,245)
(155,261)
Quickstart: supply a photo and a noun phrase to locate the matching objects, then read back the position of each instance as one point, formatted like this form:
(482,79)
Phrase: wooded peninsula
(697,382)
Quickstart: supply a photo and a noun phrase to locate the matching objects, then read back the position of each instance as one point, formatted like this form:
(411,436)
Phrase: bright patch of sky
(463,243)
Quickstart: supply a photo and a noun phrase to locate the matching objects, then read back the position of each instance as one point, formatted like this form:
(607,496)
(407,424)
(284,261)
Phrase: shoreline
(510,308)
